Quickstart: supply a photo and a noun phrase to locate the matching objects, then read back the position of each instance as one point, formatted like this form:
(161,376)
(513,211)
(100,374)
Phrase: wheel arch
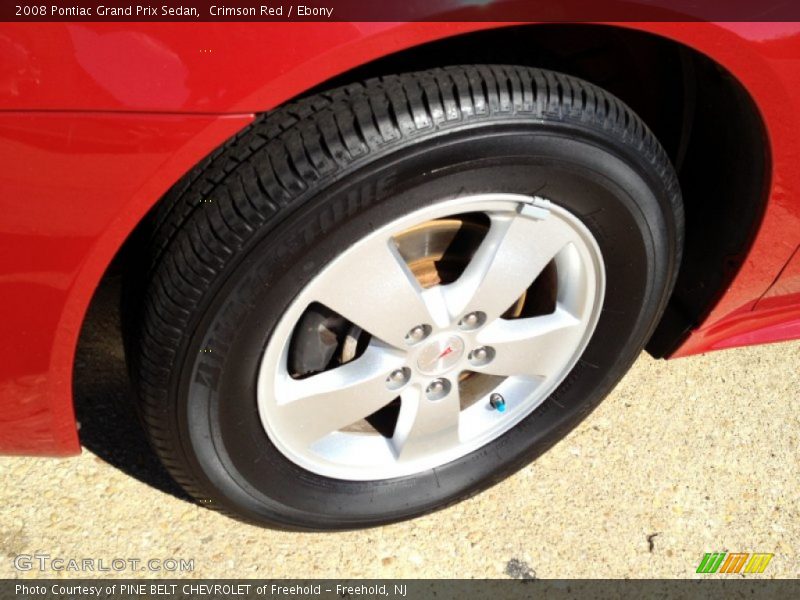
(670,74)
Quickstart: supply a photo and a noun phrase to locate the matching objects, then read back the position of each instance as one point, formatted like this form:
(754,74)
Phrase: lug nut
(398,378)
(437,389)
(481,355)
(472,320)
(497,402)
(418,333)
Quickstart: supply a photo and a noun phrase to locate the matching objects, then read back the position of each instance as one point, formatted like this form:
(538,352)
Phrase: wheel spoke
(331,400)
(536,346)
(425,426)
(375,289)
(514,252)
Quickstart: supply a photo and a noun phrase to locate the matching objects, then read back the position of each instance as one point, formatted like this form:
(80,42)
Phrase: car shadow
(109,426)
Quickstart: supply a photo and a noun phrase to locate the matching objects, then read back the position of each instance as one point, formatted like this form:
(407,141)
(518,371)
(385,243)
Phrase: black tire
(222,262)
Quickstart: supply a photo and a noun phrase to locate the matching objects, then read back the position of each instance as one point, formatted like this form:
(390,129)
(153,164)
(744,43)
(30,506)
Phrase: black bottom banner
(396,589)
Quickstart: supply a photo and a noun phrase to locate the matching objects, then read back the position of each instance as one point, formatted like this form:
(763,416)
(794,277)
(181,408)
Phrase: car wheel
(378,300)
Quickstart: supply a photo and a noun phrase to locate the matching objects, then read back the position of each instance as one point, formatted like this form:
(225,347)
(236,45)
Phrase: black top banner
(551,11)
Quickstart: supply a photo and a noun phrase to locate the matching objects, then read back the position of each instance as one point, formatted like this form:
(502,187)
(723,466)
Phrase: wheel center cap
(440,355)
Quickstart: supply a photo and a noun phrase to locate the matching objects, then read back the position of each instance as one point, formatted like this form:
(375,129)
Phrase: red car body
(97,121)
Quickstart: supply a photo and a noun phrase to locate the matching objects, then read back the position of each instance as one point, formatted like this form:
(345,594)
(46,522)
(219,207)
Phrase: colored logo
(733,562)
(440,355)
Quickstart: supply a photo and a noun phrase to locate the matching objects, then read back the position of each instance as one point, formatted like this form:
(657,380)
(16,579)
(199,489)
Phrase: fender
(99,120)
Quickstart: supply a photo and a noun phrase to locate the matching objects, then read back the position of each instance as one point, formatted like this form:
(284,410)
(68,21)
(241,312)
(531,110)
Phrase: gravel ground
(684,457)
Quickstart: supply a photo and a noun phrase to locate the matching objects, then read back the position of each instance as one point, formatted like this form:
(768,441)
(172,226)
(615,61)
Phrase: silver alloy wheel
(424,338)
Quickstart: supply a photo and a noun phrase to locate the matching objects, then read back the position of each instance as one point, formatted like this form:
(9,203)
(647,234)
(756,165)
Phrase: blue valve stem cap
(497,402)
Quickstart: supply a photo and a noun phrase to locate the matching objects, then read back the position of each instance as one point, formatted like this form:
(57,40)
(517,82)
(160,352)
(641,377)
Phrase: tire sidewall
(609,187)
